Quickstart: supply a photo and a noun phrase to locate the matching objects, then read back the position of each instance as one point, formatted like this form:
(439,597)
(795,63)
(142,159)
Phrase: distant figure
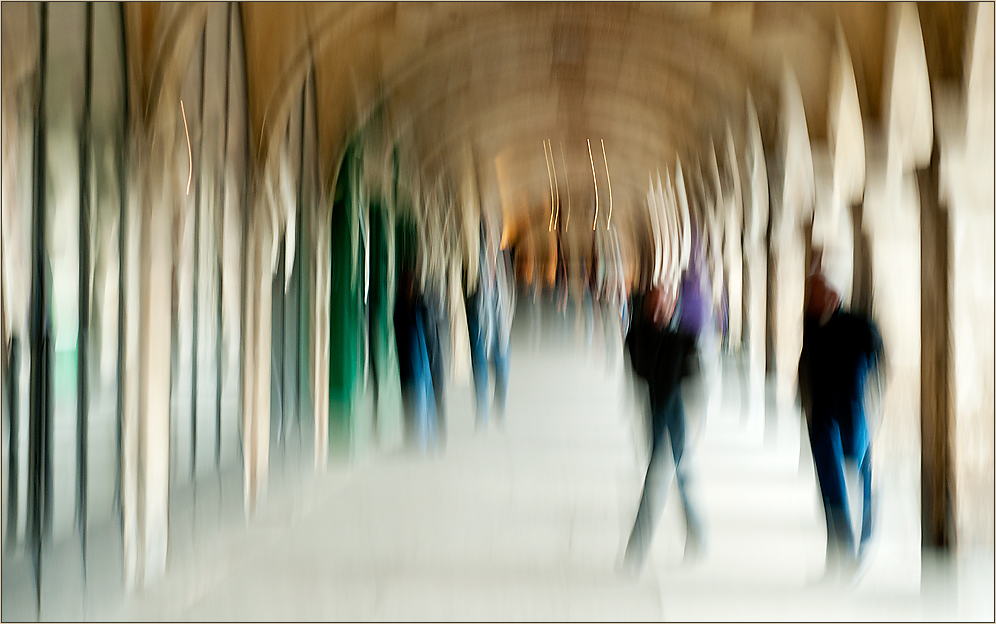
(436,328)
(662,355)
(418,397)
(839,350)
(537,293)
(490,308)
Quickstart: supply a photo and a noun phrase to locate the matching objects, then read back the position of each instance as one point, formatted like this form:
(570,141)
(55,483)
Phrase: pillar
(861,280)
(345,432)
(798,197)
(145,426)
(258,286)
(756,260)
(936,422)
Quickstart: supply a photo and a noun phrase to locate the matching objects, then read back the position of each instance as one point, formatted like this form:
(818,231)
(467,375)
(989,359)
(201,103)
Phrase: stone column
(145,426)
(861,281)
(733,248)
(970,183)
(257,329)
(798,196)
(756,259)
(320,330)
(936,422)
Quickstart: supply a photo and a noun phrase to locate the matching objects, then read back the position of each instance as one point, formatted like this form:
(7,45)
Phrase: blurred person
(504,306)
(581,293)
(561,286)
(435,329)
(537,293)
(662,355)
(839,351)
(418,397)
(698,319)
(490,308)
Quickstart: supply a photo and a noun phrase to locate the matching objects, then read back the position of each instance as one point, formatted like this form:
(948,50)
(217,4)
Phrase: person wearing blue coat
(839,351)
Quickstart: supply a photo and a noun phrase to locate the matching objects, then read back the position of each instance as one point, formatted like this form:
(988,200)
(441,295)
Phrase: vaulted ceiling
(479,87)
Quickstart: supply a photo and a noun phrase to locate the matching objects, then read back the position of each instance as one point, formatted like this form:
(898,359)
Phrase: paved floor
(528,522)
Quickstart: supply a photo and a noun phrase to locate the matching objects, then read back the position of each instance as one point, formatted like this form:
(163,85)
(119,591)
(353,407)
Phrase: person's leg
(857,448)
(438,379)
(502,361)
(479,363)
(424,413)
(828,457)
(409,406)
(864,469)
(421,415)
(862,457)
(374,387)
(655,490)
(675,422)
(431,414)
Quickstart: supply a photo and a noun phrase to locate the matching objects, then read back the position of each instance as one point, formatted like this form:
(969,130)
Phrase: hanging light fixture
(595,180)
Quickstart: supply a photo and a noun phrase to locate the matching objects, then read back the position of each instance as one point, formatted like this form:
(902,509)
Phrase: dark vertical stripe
(220,225)
(861,291)
(197,265)
(83,334)
(122,263)
(298,268)
(13,376)
(938,492)
(39,450)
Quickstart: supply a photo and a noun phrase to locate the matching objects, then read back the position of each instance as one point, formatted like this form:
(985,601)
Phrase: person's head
(659,303)
(821,298)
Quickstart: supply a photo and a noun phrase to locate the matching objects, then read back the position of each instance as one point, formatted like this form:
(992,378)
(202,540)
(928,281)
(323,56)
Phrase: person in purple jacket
(663,355)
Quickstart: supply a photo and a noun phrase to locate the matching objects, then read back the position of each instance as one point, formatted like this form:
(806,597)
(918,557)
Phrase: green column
(346,308)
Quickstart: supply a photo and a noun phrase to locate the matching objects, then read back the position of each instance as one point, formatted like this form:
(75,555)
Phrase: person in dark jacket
(410,321)
(661,355)
(490,310)
(839,350)
(436,326)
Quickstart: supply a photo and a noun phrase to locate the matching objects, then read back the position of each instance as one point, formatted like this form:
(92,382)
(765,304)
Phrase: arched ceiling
(655,82)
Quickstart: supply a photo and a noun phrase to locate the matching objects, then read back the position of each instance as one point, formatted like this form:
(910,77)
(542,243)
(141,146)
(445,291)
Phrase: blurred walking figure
(839,350)
(410,320)
(581,293)
(490,309)
(662,355)
(435,328)
(537,293)
(697,317)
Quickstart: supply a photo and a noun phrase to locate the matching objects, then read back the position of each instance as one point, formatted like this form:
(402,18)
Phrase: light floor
(528,522)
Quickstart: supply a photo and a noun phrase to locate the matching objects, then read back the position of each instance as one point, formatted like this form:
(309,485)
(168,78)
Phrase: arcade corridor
(248,249)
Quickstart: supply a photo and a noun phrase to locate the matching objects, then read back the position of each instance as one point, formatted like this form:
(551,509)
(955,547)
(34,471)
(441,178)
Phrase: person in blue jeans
(839,351)
(435,326)
(411,317)
(489,316)
(662,355)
